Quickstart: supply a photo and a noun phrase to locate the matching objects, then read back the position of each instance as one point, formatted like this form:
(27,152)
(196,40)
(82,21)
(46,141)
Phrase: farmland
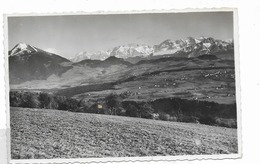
(199,79)
(45,134)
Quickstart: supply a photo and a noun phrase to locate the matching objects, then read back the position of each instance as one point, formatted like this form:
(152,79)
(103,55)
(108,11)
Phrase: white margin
(131,159)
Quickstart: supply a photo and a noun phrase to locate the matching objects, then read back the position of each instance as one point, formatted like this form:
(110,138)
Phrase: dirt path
(38,133)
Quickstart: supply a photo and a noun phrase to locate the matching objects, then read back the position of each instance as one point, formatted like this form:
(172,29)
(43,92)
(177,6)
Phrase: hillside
(205,78)
(103,64)
(41,134)
(28,63)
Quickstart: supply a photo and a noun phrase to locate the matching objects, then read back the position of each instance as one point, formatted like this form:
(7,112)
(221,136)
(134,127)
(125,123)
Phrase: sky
(67,35)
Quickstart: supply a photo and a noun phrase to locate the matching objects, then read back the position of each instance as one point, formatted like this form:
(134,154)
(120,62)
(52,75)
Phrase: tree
(15,99)
(164,116)
(146,110)
(132,110)
(47,101)
(113,103)
(29,100)
(67,104)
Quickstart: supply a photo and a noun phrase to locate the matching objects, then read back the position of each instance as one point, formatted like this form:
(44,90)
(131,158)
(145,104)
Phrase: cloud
(52,50)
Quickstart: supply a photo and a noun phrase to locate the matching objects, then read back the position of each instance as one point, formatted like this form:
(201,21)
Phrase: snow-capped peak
(80,56)
(99,55)
(21,48)
(132,50)
(122,51)
(199,45)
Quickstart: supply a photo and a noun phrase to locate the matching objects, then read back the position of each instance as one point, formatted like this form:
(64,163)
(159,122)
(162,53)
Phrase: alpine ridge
(189,47)
(22,48)
(28,63)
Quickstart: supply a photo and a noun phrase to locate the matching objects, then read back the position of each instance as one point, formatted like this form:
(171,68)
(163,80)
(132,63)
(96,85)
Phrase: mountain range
(188,47)
(191,68)
(186,68)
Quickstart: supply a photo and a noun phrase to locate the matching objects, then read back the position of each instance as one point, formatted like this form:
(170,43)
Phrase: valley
(192,78)
(197,71)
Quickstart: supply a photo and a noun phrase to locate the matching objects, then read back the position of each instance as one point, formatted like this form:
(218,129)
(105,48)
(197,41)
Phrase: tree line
(42,100)
(168,109)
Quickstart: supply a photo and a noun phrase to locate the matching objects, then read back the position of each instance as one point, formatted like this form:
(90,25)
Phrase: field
(44,134)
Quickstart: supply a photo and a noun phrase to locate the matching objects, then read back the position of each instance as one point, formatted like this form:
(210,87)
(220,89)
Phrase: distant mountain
(132,50)
(123,51)
(22,48)
(80,56)
(112,60)
(27,63)
(100,55)
(193,47)
(189,47)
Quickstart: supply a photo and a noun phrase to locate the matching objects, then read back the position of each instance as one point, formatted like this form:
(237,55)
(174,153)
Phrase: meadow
(47,133)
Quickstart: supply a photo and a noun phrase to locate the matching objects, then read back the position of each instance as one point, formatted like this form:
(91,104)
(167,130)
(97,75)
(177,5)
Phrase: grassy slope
(38,133)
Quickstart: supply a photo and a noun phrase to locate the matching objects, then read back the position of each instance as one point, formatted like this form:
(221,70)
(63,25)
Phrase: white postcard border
(131,159)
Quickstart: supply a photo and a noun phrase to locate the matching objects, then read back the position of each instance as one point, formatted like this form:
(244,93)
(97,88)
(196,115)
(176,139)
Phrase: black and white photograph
(103,85)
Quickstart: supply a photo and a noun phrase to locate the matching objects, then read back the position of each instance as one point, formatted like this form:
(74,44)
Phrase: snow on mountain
(22,48)
(190,41)
(190,46)
(166,51)
(131,50)
(124,51)
(193,47)
(28,63)
(99,55)
(80,56)
(169,45)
